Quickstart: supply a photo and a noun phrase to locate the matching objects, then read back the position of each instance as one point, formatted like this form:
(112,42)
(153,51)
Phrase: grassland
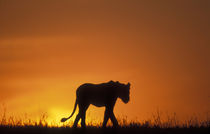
(156,125)
(153,126)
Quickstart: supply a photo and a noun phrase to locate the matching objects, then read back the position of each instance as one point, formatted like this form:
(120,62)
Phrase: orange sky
(48,48)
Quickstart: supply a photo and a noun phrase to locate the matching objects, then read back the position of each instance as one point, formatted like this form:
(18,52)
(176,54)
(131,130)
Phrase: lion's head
(123,91)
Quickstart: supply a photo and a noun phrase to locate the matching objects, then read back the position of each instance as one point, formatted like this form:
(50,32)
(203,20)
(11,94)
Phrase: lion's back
(91,89)
(97,94)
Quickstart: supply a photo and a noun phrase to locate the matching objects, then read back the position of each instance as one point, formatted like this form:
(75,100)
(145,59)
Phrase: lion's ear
(128,84)
(111,81)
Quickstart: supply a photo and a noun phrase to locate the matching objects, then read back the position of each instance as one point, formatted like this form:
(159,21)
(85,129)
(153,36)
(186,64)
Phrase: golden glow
(48,49)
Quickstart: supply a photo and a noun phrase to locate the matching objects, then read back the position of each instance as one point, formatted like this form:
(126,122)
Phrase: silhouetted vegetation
(155,125)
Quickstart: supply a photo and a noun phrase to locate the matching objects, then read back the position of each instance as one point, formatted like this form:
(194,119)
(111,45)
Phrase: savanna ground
(154,126)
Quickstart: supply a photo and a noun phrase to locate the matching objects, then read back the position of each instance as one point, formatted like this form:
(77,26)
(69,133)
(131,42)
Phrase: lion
(100,95)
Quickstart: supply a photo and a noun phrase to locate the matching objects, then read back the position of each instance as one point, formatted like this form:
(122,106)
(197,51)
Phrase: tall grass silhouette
(155,122)
(154,125)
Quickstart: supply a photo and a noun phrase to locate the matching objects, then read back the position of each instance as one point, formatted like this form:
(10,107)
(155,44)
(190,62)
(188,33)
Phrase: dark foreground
(96,130)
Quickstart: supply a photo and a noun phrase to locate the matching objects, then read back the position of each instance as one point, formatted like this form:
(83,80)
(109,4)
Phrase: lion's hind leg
(76,120)
(82,115)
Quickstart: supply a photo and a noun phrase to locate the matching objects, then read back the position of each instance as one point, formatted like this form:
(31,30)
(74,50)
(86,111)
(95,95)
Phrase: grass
(156,125)
(128,129)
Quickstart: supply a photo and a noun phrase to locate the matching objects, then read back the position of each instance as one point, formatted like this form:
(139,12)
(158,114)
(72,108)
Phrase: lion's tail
(75,106)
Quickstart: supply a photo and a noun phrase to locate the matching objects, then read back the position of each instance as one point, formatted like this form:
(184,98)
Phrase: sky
(49,48)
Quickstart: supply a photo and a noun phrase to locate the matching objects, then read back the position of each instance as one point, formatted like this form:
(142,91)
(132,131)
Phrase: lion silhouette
(104,94)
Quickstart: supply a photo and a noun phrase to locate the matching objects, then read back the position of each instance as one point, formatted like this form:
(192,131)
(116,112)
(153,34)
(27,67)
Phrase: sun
(54,116)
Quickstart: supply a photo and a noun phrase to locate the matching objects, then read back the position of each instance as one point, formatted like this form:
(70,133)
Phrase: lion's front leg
(110,114)
(113,119)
